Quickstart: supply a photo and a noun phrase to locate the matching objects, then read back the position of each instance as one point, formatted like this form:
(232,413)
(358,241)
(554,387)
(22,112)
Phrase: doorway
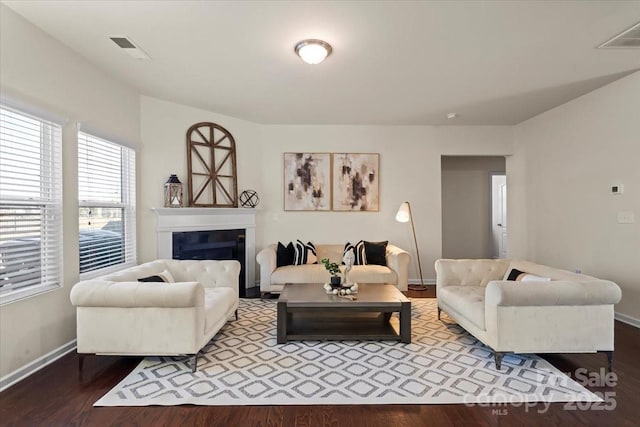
(498,215)
(467,205)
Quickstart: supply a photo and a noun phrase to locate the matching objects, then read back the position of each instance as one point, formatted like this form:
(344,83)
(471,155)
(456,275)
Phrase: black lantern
(173,192)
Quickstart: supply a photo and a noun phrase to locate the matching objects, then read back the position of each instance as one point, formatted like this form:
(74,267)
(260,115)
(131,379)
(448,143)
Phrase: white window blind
(106,192)
(30,205)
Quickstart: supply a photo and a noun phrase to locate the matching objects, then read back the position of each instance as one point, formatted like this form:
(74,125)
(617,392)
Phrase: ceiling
(393,62)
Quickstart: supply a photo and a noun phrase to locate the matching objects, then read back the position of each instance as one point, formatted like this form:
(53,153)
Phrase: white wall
(560,209)
(572,155)
(38,70)
(466,205)
(164,152)
(409,164)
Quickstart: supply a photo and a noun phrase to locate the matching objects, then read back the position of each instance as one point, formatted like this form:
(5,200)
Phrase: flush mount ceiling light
(313,51)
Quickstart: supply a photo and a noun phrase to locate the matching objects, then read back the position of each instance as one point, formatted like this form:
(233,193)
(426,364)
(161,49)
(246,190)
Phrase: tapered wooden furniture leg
(194,363)
(498,358)
(80,363)
(609,359)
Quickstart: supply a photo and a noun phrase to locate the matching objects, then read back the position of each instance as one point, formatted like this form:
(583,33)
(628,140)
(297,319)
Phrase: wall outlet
(626,218)
(617,189)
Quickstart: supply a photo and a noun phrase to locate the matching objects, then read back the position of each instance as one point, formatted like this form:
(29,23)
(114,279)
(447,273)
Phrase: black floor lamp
(404,215)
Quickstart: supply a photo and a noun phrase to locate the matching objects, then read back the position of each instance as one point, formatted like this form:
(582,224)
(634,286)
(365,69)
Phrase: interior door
(499,215)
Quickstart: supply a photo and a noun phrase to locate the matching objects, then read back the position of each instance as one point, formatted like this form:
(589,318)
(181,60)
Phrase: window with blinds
(106,192)
(30,205)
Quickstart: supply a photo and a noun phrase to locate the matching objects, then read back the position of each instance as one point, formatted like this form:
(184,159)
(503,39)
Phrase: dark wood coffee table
(307,312)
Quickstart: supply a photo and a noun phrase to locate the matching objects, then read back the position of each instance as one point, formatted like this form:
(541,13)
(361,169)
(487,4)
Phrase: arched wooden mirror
(211,162)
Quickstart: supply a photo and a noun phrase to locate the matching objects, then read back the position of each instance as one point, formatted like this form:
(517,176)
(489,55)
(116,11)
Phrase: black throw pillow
(154,278)
(284,255)
(376,252)
(513,275)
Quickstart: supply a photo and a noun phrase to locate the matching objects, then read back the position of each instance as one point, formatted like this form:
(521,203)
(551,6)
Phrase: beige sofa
(572,313)
(272,278)
(117,315)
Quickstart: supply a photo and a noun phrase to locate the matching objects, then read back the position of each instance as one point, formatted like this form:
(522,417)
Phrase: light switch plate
(626,218)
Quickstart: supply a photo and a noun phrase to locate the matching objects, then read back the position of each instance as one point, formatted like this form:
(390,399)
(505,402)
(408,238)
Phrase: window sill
(21,294)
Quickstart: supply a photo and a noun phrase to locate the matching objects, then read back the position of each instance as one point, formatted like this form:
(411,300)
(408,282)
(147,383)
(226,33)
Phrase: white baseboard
(426,281)
(33,367)
(629,320)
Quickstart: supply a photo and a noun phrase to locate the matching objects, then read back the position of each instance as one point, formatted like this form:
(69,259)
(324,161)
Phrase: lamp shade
(403,214)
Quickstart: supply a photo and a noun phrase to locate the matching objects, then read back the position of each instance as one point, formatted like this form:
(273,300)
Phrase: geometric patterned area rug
(243,365)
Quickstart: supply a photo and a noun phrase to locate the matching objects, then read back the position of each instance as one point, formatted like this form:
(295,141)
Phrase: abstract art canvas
(356,179)
(307,181)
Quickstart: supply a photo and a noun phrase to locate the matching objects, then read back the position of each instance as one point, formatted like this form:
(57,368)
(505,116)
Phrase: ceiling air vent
(130,47)
(629,39)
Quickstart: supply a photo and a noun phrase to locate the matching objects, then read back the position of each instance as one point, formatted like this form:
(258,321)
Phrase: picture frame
(356,182)
(307,181)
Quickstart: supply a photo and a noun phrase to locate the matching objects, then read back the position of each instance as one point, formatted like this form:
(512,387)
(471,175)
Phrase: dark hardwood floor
(58,396)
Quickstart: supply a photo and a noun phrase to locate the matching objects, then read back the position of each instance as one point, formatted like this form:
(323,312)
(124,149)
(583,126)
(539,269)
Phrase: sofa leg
(194,362)
(81,357)
(236,314)
(609,360)
(439,311)
(498,355)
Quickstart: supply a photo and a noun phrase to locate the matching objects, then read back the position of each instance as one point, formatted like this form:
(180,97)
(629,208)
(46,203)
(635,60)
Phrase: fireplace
(212,244)
(209,233)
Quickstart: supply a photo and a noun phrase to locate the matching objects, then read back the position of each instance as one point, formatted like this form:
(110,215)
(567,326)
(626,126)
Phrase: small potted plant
(333,269)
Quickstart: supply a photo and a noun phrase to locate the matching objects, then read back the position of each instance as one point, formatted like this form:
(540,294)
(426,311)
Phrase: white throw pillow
(533,278)
(167,276)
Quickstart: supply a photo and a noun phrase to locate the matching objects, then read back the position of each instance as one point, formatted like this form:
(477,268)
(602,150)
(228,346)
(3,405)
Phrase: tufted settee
(273,278)
(570,313)
(118,315)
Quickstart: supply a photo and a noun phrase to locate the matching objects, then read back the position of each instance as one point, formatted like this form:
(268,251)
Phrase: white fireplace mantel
(170,220)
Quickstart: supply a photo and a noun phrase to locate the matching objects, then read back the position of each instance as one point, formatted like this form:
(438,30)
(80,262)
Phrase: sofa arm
(100,293)
(398,260)
(510,293)
(267,260)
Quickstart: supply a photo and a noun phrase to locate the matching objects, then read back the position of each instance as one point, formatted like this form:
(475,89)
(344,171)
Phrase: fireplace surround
(172,223)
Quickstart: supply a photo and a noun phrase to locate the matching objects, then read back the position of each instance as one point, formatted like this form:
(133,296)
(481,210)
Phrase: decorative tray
(341,289)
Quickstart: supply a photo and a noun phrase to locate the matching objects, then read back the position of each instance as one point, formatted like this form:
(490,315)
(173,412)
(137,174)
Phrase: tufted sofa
(273,278)
(118,315)
(571,313)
